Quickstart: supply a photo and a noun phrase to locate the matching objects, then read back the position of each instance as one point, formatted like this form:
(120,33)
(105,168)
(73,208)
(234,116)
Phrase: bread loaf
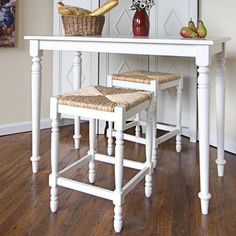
(71,10)
(104,8)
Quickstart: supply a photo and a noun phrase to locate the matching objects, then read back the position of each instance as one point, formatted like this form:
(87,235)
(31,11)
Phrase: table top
(132,39)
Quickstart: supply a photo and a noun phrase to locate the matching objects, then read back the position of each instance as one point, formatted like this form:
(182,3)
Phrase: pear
(191,25)
(60,4)
(185,32)
(201,29)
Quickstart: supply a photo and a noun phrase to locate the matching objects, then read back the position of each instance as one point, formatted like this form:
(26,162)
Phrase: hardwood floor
(174,208)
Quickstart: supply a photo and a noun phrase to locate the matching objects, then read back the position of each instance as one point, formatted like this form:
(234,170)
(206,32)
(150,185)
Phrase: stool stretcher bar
(85,188)
(75,165)
(130,125)
(135,180)
(126,163)
(167,136)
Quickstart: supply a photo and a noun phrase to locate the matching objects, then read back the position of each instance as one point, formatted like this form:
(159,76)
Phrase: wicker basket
(83,25)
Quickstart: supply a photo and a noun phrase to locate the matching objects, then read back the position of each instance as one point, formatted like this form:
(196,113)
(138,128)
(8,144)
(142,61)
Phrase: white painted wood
(137,127)
(36,81)
(133,138)
(166,19)
(45,42)
(203,116)
(132,124)
(179,115)
(200,49)
(77,85)
(119,153)
(75,165)
(119,119)
(155,88)
(109,139)
(54,154)
(98,114)
(126,163)
(103,115)
(110,125)
(92,151)
(134,181)
(167,136)
(149,137)
(85,188)
(220,111)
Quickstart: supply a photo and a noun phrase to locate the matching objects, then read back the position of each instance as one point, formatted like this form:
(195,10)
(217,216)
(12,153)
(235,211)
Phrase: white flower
(141,4)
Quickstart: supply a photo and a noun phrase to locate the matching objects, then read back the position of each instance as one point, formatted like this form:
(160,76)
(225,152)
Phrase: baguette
(104,8)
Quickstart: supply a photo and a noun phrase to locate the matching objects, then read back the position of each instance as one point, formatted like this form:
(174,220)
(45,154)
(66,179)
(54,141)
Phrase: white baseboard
(230,145)
(20,127)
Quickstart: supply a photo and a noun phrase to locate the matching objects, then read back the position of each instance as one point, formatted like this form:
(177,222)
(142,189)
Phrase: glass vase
(141,23)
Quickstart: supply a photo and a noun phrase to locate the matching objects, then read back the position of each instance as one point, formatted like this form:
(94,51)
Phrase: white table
(201,49)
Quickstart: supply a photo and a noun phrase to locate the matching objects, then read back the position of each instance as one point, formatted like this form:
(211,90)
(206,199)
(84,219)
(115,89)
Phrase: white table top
(132,39)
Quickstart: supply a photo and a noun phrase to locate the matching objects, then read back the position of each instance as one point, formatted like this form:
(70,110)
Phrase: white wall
(35,18)
(219,17)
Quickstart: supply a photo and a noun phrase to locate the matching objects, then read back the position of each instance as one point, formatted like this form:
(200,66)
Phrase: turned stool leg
(92,134)
(77,135)
(178,114)
(149,136)
(137,127)
(54,156)
(118,201)
(110,140)
(154,133)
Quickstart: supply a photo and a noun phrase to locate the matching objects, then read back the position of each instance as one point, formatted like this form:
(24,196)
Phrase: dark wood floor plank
(173,209)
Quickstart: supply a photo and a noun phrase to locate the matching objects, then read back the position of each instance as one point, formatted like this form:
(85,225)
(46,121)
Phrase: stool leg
(110,140)
(137,127)
(149,136)
(118,201)
(92,151)
(154,133)
(77,135)
(178,114)
(54,157)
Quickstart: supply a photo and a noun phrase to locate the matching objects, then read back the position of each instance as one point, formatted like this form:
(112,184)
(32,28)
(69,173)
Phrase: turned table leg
(220,112)
(203,118)
(36,80)
(77,85)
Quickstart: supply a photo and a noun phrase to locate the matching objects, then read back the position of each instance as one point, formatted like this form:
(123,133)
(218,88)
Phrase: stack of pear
(191,31)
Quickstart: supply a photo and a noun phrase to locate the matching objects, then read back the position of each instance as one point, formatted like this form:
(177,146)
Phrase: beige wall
(219,17)
(33,18)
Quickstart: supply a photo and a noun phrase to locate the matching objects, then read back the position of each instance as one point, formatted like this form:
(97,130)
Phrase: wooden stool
(154,82)
(113,105)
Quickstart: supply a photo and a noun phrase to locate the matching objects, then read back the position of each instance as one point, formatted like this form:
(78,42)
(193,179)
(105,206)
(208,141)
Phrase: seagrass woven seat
(140,76)
(104,98)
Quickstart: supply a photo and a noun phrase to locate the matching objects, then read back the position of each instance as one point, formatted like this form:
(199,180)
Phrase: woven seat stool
(154,82)
(113,105)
